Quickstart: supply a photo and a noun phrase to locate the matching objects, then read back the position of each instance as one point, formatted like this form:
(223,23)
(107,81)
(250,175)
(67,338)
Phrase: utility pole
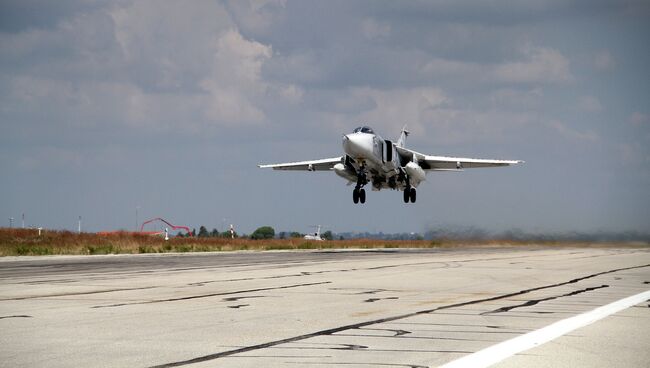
(23,220)
(136,218)
(11,222)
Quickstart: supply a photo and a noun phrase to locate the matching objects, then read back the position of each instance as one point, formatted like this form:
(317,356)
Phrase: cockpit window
(364,129)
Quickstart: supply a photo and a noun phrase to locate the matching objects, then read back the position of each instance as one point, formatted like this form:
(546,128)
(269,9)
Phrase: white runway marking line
(506,349)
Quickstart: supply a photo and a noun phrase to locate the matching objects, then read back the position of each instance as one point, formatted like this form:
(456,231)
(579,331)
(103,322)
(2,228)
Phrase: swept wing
(445,163)
(313,165)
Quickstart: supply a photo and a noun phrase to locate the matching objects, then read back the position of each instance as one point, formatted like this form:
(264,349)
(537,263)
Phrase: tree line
(263,232)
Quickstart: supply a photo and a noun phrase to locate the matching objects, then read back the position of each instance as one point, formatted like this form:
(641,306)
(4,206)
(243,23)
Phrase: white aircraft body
(370,159)
(316,235)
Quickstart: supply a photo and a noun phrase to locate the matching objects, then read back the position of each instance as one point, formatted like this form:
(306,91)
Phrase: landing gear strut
(359,194)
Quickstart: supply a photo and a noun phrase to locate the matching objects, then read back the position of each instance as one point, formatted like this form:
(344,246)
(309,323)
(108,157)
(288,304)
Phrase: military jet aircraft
(370,159)
(316,235)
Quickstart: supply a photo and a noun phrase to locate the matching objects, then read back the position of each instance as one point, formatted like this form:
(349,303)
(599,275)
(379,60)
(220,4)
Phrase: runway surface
(382,308)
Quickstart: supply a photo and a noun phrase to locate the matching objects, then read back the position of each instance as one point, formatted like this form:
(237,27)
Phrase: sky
(110,110)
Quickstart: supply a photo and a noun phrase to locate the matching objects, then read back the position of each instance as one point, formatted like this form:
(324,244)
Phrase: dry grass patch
(17,242)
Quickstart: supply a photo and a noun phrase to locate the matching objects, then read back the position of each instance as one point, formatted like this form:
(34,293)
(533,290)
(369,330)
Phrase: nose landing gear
(359,194)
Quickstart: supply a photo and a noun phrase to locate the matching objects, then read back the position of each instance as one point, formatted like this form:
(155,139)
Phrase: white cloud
(372,28)
(638,118)
(290,93)
(396,107)
(160,36)
(517,99)
(256,16)
(540,65)
(589,104)
(440,66)
(604,60)
(428,112)
(235,79)
(633,153)
(571,134)
(142,65)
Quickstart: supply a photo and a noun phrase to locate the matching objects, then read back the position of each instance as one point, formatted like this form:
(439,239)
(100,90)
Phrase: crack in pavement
(370,364)
(397,332)
(77,293)
(238,306)
(372,300)
(210,295)
(537,301)
(18,316)
(334,330)
(446,264)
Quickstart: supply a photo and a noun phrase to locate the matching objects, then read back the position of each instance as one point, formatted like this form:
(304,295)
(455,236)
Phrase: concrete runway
(386,308)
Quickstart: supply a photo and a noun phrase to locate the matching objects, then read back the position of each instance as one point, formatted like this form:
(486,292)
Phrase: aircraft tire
(362,195)
(355,196)
(412,195)
(406,194)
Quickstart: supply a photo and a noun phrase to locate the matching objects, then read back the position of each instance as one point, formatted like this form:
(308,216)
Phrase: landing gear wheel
(412,195)
(355,195)
(406,195)
(362,195)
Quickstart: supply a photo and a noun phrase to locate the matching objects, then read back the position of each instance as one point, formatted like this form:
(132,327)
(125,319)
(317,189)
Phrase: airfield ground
(350,308)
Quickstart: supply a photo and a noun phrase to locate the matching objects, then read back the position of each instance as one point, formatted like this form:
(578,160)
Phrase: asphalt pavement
(366,308)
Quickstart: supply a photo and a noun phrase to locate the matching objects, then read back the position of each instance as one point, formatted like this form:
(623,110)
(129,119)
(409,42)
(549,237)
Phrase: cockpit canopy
(364,129)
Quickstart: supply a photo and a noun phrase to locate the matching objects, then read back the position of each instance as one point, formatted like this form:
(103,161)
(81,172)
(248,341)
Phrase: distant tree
(194,232)
(180,235)
(264,232)
(203,232)
(328,235)
(341,237)
(282,235)
(214,233)
(296,234)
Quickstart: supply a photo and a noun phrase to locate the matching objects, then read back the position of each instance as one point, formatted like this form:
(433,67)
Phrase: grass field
(19,242)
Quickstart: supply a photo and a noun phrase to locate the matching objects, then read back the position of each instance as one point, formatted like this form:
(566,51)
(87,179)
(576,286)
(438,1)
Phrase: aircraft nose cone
(356,145)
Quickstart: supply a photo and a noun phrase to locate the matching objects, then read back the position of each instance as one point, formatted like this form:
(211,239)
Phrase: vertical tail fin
(401,141)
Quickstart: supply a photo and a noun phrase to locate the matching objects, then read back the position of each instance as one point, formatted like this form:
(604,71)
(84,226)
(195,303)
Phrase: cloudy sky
(168,106)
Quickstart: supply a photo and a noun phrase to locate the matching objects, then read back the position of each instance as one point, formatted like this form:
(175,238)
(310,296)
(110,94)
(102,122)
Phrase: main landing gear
(359,195)
(409,195)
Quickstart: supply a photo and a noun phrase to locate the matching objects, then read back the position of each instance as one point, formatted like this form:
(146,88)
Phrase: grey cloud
(589,104)
(538,65)
(21,15)
(106,105)
(126,65)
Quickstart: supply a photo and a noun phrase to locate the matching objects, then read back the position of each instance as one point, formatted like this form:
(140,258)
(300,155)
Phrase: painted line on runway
(508,348)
